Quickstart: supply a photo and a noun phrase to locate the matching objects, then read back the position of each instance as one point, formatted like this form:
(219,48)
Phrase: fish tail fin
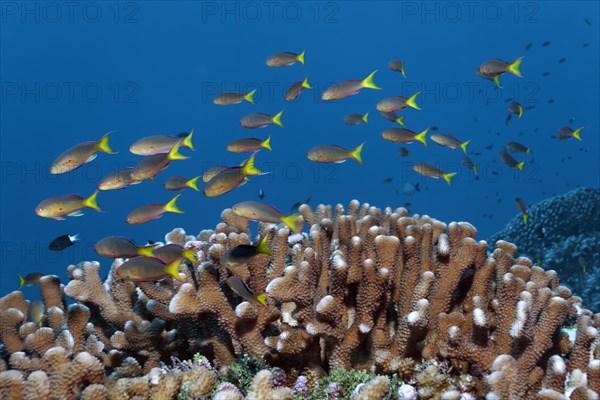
(525,218)
(402,70)
(249,97)
(464,145)
(365,118)
(147,250)
(174,153)
(475,168)
(277,118)
(300,57)
(190,255)
(400,120)
(422,137)
(528,150)
(448,177)
(262,299)
(291,221)
(187,141)
(74,238)
(173,269)
(249,168)
(412,101)
(193,183)
(515,67)
(356,154)
(102,144)
(520,165)
(21,281)
(368,82)
(497,81)
(92,201)
(520,111)
(305,83)
(266,143)
(577,133)
(171,206)
(263,248)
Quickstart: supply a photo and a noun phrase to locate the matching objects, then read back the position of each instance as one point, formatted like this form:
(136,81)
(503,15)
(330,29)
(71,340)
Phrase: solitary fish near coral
(152,145)
(62,206)
(522,208)
(332,153)
(62,242)
(344,89)
(143,269)
(80,154)
(433,172)
(260,120)
(285,59)
(244,291)
(151,212)
(120,247)
(227,98)
(257,211)
(36,312)
(30,279)
(243,253)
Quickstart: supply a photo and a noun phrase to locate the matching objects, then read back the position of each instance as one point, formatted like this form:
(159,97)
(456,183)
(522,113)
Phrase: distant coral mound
(563,234)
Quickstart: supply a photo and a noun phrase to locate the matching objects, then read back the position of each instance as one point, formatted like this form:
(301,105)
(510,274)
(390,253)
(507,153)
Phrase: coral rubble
(422,307)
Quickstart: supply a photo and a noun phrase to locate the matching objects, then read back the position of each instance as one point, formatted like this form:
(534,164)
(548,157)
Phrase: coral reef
(563,234)
(418,306)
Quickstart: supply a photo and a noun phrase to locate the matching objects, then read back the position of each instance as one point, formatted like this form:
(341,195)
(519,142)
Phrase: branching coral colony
(367,289)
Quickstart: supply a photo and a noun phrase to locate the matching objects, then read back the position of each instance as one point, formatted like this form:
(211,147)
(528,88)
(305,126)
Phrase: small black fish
(540,231)
(550,101)
(529,107)
(433,128)
(261,194)
(489,147)
(62,242)
(407,205)
(507,120)
(562,60)
(403,151)
(586,44)
(528,46)
(587,21)
(571,119)
(546,74)
(546,44)
(387,180)
(297,205)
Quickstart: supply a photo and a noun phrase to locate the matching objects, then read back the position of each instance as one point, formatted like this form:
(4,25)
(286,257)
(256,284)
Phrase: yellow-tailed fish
(296,89)
(249,145)
(433,172)
(151,212)
(152,145)
(515,108)
(244,291)
(523,209)
(395,103)
(260,120)
(263,212)
(120,247)
(172,251)
(510,161)
(344,89)
(355,119)
(582,264)
(332,153)
(231,178)
(32,278)
(398,66)
(208,175)
(62,206)
(443,139)
(143,269)
(516,147)
(243,253)
(285,59)
(564,133)
(402,135)
(493,69)
(175,183)
(227,98)
(153,165)
(80,154)
(117,180)
(391,116)
(467,162)
(36,312)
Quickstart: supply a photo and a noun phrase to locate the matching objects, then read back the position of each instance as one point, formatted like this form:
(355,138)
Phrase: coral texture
(563,234)
(366,289)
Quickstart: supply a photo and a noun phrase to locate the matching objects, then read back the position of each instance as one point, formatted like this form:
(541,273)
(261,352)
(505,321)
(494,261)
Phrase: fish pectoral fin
(77,213)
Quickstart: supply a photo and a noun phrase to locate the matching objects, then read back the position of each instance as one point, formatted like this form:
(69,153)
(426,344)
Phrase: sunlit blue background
(72,73)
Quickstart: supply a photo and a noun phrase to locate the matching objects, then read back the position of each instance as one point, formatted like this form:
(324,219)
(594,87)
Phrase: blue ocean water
(73,71)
